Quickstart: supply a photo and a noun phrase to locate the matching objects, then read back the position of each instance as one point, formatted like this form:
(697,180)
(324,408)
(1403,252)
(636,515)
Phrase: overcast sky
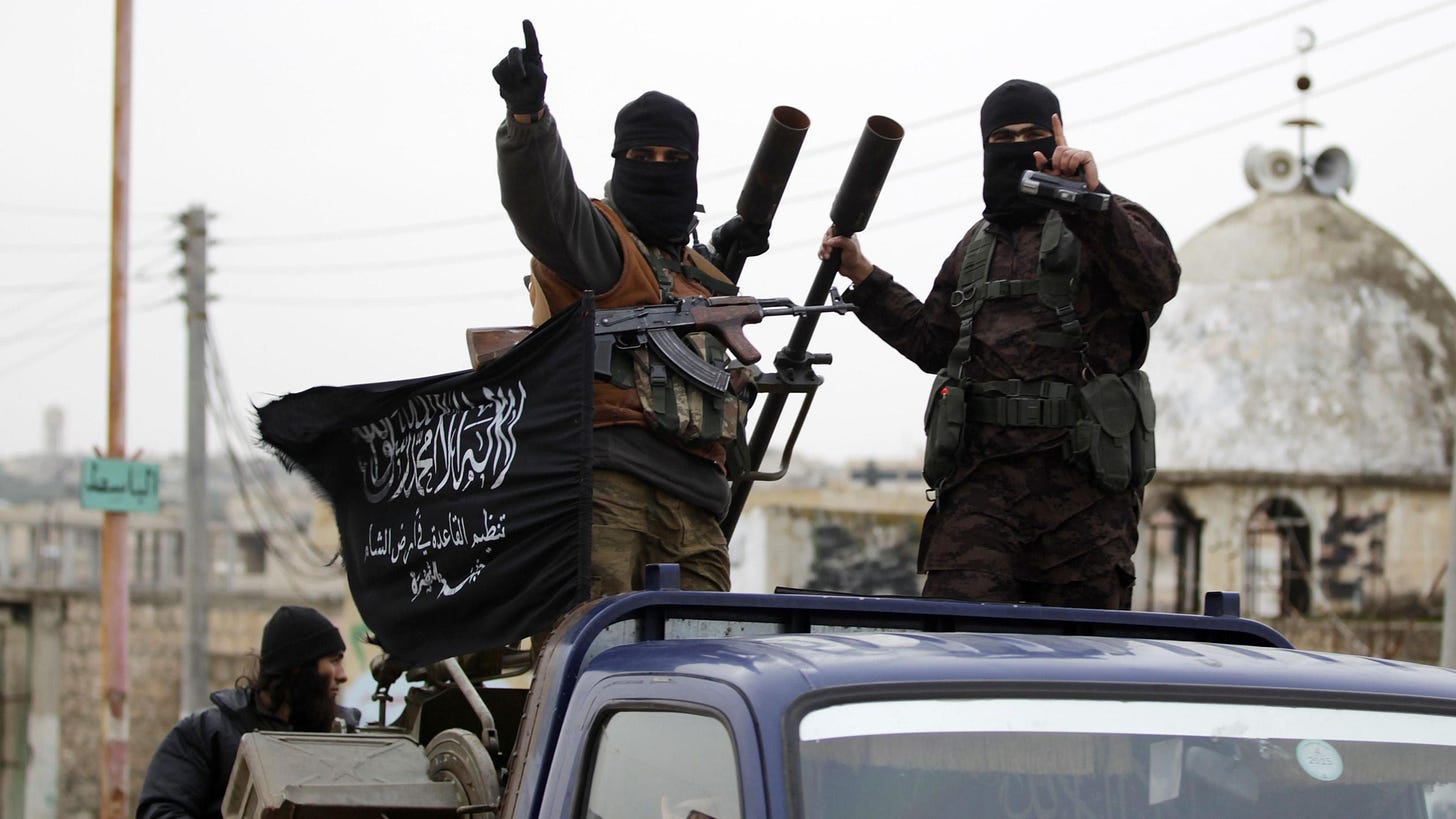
(346,150)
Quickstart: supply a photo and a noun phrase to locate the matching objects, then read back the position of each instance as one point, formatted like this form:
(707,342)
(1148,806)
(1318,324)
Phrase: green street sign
(116,485)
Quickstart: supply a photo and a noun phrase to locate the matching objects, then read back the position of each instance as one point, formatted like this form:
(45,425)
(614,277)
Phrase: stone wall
(1417,642)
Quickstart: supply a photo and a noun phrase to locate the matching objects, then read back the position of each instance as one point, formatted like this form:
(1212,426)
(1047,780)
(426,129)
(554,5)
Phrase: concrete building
(1305,378)
(845,528)
(51,625)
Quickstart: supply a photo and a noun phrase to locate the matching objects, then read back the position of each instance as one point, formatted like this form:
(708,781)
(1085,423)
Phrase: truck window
(650,764)
(1123,759)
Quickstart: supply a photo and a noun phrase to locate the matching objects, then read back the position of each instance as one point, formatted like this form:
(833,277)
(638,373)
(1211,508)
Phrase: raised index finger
(1057,132)
(533,49)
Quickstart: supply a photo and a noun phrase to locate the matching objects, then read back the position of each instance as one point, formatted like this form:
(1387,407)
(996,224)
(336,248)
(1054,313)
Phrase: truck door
(640,747)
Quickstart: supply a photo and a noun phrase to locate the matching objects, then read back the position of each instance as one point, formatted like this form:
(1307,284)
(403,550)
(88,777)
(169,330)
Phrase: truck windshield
(1123,759)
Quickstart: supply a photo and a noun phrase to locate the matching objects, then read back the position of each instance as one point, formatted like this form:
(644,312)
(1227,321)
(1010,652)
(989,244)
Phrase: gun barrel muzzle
(769,173)
(866,175)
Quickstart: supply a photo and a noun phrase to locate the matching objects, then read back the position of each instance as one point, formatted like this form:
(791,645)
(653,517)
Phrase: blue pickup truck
(694,705)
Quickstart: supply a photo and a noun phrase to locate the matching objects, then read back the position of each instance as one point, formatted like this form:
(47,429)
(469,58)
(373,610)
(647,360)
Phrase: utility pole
(198,558)
(115,606)
(1448,618)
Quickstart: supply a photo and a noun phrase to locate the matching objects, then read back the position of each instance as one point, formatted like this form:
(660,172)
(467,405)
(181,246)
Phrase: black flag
(463,500)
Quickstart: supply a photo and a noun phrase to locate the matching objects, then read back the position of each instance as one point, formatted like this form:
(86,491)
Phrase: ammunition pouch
(945,428)
(684,411)
(1016,403)
(1114,437)
(1109,423)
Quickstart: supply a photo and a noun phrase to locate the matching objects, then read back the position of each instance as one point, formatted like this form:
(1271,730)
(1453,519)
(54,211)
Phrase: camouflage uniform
(1015,521)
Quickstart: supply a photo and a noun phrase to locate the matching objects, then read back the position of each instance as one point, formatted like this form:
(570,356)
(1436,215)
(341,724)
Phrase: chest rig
(673,405)
(1109,417)
(1015,402)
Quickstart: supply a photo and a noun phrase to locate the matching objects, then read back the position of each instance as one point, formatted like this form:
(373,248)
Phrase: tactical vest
(1109,418)
(643,390)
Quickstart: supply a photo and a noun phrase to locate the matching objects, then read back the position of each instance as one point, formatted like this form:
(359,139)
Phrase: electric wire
(365,233)
(263,513)
(69,213)
(44,327)
(66,247)
(1143,105)
(1288,103)
(313,302)
(96,323)
(368,233)
(1335,42)
(234,426)
(289,577)
(1170,142)
(395,264)
(900,173)
(52,288)
(1107,68)
(1080,76)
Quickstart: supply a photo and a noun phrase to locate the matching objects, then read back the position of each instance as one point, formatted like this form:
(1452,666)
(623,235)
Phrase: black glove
(747,238)
(521,75)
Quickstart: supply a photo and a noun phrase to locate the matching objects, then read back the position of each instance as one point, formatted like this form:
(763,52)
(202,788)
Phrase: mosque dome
(1305,342)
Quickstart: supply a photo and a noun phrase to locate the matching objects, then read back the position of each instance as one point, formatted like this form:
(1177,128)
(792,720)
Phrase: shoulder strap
(970,294)
(664,268)
(704,272)
(1055,285)
(1056,277)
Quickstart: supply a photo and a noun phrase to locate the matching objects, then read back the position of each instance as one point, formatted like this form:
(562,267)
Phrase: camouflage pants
(634,524)
(1031,528)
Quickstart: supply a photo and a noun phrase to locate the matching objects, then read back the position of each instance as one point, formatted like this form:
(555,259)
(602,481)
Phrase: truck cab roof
(766,666)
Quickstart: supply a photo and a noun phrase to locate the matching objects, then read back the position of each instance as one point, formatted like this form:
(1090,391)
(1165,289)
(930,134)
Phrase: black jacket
(189,772)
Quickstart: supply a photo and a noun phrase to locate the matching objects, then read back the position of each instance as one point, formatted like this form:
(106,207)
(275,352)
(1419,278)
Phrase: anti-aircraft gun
(458,741)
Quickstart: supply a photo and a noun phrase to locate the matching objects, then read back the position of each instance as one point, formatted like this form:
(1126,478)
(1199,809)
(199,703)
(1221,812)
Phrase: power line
(95,323)
(45,329)
(1239,120)
(233,429)
(67,247)
(1189,43)
(932,165)
(937,164)
(975,201)
(1177,93)
(1144,104)
(396,264)
(44,324)
(53,287)
(70,213)
(315,302)
(1107,68)
(365,233)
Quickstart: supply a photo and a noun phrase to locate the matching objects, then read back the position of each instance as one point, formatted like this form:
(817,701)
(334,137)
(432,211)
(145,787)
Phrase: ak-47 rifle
(657,326)
(794,372)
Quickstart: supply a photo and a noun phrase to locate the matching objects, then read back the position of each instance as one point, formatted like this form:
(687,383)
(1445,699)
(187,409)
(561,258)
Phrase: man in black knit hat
(661,447)
(1039,429)
(300,670)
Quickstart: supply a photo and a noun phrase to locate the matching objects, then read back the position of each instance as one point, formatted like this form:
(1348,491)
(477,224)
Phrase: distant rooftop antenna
(1276,170)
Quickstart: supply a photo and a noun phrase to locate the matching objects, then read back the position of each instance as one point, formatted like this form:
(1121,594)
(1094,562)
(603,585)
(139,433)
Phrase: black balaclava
(658,199)
(1014,101)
